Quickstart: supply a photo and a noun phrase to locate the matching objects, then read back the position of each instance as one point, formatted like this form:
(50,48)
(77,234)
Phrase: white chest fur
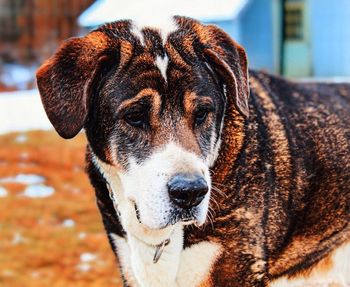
(176,267)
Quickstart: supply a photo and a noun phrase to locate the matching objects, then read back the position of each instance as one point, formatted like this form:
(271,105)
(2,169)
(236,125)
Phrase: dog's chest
(176,266)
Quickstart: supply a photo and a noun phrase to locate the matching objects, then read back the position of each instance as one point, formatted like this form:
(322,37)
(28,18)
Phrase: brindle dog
(198,183)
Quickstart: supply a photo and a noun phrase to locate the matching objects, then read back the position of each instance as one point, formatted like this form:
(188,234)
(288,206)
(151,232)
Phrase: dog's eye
(136,119)
(200,117)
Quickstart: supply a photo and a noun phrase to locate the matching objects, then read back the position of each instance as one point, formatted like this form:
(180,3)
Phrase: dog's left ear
(229,60)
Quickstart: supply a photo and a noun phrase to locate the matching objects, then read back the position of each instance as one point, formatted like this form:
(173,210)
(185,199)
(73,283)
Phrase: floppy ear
(65,81)
(229,60)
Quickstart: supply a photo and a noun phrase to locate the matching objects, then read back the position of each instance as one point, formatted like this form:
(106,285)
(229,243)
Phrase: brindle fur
(281,198)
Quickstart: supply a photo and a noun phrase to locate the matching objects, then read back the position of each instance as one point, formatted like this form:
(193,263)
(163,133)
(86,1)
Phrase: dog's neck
(149,263)
(136,258)
(158,248)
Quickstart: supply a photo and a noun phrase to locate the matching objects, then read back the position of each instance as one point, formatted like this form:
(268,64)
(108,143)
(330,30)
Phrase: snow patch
(82,235)
(23,179)
(84,267)
(21,138)
(68,223)
(22,111)
(38,191)
(87,257)
(3,192)
(17,238)
(18,76)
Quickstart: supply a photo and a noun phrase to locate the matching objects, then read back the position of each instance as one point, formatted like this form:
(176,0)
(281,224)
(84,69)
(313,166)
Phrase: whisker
(213,199)
(215,188)
(221,184)
(210,208)
(210,219)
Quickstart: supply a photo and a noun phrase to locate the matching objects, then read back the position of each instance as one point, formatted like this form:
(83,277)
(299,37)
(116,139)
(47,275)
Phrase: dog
(206,173)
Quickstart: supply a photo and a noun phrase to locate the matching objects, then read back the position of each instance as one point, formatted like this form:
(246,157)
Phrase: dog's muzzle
(187,190)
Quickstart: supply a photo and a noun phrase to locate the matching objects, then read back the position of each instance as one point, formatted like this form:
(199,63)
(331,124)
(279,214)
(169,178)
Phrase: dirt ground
(51,233)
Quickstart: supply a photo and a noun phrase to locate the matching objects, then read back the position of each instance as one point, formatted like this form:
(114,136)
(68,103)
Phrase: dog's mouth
(184,217)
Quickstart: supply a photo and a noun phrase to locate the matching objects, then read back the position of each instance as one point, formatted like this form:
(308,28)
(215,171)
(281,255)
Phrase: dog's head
(152,102)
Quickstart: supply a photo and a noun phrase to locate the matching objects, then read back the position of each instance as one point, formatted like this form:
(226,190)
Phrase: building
(296,38)
(30,32)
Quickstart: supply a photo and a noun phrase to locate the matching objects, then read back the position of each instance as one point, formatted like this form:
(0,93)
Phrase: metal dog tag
(159,250)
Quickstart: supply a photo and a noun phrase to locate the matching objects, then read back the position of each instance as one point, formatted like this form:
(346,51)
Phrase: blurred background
(50,229)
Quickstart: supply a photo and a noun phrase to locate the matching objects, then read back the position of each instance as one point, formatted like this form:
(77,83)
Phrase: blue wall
(329,23)
(253,30)
(256,34)
(330,37)
(231,27)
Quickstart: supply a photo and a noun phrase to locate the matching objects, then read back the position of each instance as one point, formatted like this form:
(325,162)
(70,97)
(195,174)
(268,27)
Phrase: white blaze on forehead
(138,34)
(162,64)
(165,25)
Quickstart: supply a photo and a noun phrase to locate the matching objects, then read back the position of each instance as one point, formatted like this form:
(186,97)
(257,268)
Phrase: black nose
(187,190)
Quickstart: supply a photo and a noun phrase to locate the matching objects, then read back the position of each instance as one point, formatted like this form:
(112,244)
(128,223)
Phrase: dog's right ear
(65,81)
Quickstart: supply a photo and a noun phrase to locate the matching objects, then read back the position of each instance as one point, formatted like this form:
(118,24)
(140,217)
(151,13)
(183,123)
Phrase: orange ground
(36,248)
